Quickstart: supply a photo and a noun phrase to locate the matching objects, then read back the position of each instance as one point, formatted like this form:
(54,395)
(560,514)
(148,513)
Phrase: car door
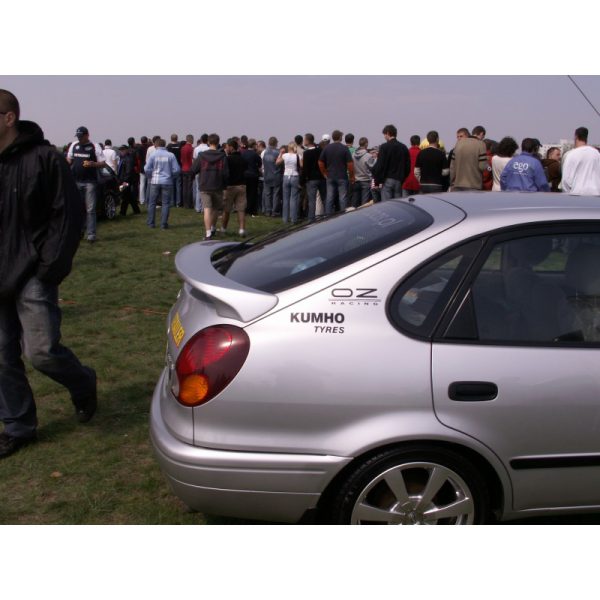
(516,362)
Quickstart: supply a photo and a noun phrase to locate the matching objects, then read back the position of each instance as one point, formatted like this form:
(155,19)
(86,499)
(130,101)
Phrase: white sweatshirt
(581,172)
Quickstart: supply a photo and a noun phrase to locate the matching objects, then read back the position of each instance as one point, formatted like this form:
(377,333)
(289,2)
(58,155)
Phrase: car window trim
(449,302)
(513,232)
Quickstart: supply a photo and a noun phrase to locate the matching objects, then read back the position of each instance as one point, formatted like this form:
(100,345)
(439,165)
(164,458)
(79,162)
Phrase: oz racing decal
(354,297)
(322,322)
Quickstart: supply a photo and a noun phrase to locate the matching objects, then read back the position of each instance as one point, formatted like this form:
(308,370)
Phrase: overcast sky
(115,107)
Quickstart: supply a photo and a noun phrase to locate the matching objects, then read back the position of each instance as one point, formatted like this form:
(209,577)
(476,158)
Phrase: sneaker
(165,226)
(222,230)
(86,406)
(242,232)
(208,236)
(10,444)
(213,230)
(91,239)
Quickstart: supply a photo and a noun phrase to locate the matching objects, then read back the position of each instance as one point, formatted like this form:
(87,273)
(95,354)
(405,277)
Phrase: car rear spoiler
(232,300)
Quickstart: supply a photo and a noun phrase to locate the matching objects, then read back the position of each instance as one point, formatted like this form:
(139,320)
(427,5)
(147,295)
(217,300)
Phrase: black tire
(367,497)
(110,205)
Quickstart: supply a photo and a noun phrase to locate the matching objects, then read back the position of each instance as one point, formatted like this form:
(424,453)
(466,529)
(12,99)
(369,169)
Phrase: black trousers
(188,189)
(252,207)
(128,197)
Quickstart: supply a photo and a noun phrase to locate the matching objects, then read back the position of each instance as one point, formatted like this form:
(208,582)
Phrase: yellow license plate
(177,330)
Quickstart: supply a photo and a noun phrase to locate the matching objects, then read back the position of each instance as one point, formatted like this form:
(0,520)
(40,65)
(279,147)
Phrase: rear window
(292,258)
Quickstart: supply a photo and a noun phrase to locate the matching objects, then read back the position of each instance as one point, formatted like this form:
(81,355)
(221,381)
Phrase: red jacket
(411,182)
(187,153)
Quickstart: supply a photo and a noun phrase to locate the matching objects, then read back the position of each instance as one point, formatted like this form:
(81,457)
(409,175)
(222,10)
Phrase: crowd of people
(306,178)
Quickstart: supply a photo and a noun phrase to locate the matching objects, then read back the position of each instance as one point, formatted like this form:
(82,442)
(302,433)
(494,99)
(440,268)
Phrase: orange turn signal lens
(193,389)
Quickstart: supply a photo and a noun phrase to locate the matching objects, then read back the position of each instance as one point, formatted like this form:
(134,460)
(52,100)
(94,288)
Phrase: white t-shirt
(151,150)
(498,164)
(110,157)
(581,172)
(290,163)
(200,148)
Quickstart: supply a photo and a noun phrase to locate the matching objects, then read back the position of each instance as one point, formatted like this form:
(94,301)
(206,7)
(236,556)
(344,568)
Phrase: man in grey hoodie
(363,163)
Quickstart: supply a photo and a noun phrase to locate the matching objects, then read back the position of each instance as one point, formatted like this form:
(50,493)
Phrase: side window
(538,289)
(418,303)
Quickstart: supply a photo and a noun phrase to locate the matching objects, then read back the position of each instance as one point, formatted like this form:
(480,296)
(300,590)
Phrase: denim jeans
(362,191)
(271,194)
(291,192)
(164,192)
(392,188)
(30,323)
(312,187)
(336,189)
(89,192)
(177,189)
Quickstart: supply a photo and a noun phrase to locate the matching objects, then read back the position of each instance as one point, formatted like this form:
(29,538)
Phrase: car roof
(521,207)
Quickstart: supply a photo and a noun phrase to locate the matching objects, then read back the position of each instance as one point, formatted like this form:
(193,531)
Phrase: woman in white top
(506,149)
(291,176)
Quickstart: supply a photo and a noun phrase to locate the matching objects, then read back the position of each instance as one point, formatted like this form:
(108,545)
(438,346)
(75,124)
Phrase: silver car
(432,360)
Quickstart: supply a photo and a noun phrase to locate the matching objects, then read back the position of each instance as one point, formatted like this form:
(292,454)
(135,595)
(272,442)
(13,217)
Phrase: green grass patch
(115,305)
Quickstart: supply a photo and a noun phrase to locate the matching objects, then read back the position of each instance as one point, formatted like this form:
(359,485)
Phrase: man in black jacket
(127,179)
(392,166)
(213,169)
(41,216)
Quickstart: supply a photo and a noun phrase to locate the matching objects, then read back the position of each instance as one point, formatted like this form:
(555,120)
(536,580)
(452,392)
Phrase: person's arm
(540,178)
(279,159)
(567,175)
(445,167)
(452,168)
(350,166)
(483,158)
(196,165)
(225,171)
(59,240)
(149,166)
(406,164)
(175,168)
(322,168)
(70,153)
(503,177)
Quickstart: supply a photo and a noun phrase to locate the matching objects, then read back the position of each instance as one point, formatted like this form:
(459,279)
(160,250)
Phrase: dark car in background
(109,196)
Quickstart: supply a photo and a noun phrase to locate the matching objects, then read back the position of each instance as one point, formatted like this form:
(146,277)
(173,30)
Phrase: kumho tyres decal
(306,317)
(311,317)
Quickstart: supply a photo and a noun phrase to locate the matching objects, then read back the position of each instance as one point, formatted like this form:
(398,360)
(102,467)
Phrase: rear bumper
(249,485)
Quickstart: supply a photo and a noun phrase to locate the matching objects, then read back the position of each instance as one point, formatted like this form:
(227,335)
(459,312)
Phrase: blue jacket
(524,173)
(161,167)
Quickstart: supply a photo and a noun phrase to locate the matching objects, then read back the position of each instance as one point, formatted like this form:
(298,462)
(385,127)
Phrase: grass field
(114,304)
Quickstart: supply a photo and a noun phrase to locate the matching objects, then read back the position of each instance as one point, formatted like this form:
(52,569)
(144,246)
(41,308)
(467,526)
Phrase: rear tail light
(208,363)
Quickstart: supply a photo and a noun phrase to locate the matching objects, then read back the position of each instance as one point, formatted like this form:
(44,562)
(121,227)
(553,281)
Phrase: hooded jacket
(41,212)
(213,169)
(363,163)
